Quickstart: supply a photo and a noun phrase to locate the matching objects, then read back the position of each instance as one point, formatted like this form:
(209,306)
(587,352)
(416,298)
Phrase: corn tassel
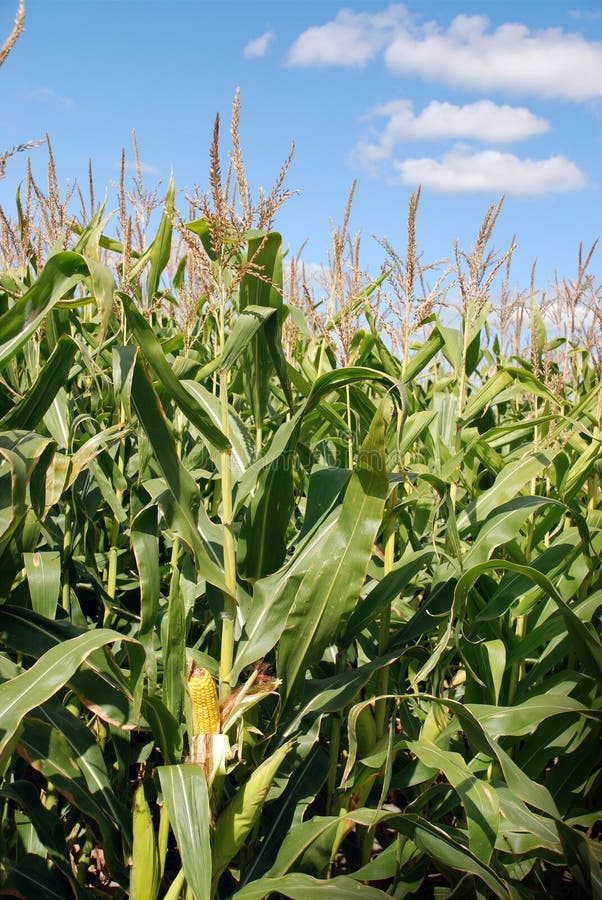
(205,708)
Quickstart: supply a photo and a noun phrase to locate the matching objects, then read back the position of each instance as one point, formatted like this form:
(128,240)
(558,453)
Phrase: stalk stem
(258,439)
(467,324)
(229,614)
(66,588)
(349,432)
(518,668)
(384,626)
(114,549)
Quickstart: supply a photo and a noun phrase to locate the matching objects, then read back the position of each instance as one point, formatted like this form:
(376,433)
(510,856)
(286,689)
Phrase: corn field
(299,578)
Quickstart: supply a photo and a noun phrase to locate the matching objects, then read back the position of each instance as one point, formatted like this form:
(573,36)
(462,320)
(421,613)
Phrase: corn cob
(205,708)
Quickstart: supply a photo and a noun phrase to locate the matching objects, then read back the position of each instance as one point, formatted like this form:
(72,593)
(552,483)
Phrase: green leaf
(145,544)
(261,286)
(262,539)
(85,753)
(60,274)
(525,717)
(31,409)
(100,685)
(538,327)
(243,449)
(48,751)
(589,648)
(161,246)
(333,694)
(517,820)
(506,486)
(102,286)
(45,821)
(305,887)
(36,877)
(185,794)
(486,662)
(245,328)
(330,589)
(423,355)
(153,352)
(504,524)
(43,570)
(24,459)
(478,798)
(581,860)
(486,395)
(308,776)
(174,647)
(186,496)
(286,438)
(437,843)
(523,787)
(51,672)
(165,729)
(392,584)
(201,228)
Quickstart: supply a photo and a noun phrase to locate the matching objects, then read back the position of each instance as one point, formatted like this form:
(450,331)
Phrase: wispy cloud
(145,168)
(48,95)
(259,46)
(483,121)
(585,15)
(462,171)
(351,39)
(469,53)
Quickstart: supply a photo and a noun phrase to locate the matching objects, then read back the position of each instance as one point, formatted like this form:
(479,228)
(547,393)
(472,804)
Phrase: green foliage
(390,563)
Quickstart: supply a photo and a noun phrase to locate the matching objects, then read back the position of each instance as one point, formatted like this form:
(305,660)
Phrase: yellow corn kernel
(205,708)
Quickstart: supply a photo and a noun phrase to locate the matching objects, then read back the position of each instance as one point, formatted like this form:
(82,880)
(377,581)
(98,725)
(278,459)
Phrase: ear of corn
(144,877)
(205,707)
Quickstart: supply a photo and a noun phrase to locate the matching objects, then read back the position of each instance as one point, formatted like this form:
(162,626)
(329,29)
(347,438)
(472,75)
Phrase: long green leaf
(185,493)
(305,887)
(47,751)
(29,411)
(509,482)
(478,798)
(44,579)
(185,794)
(590,649)
(60,274)
(328,593)
(261,286)
(249,322)
(50,673)
(153,352)
(161,246)
(98,684)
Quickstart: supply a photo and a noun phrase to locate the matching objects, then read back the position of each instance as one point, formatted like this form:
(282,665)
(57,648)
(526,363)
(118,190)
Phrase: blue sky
(470,100)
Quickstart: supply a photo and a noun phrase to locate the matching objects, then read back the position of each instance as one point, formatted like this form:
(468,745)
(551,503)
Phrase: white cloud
(547,63)
(469,53)
(484,121)
(351,39)
(49,95)
(258,47)
(490,171)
